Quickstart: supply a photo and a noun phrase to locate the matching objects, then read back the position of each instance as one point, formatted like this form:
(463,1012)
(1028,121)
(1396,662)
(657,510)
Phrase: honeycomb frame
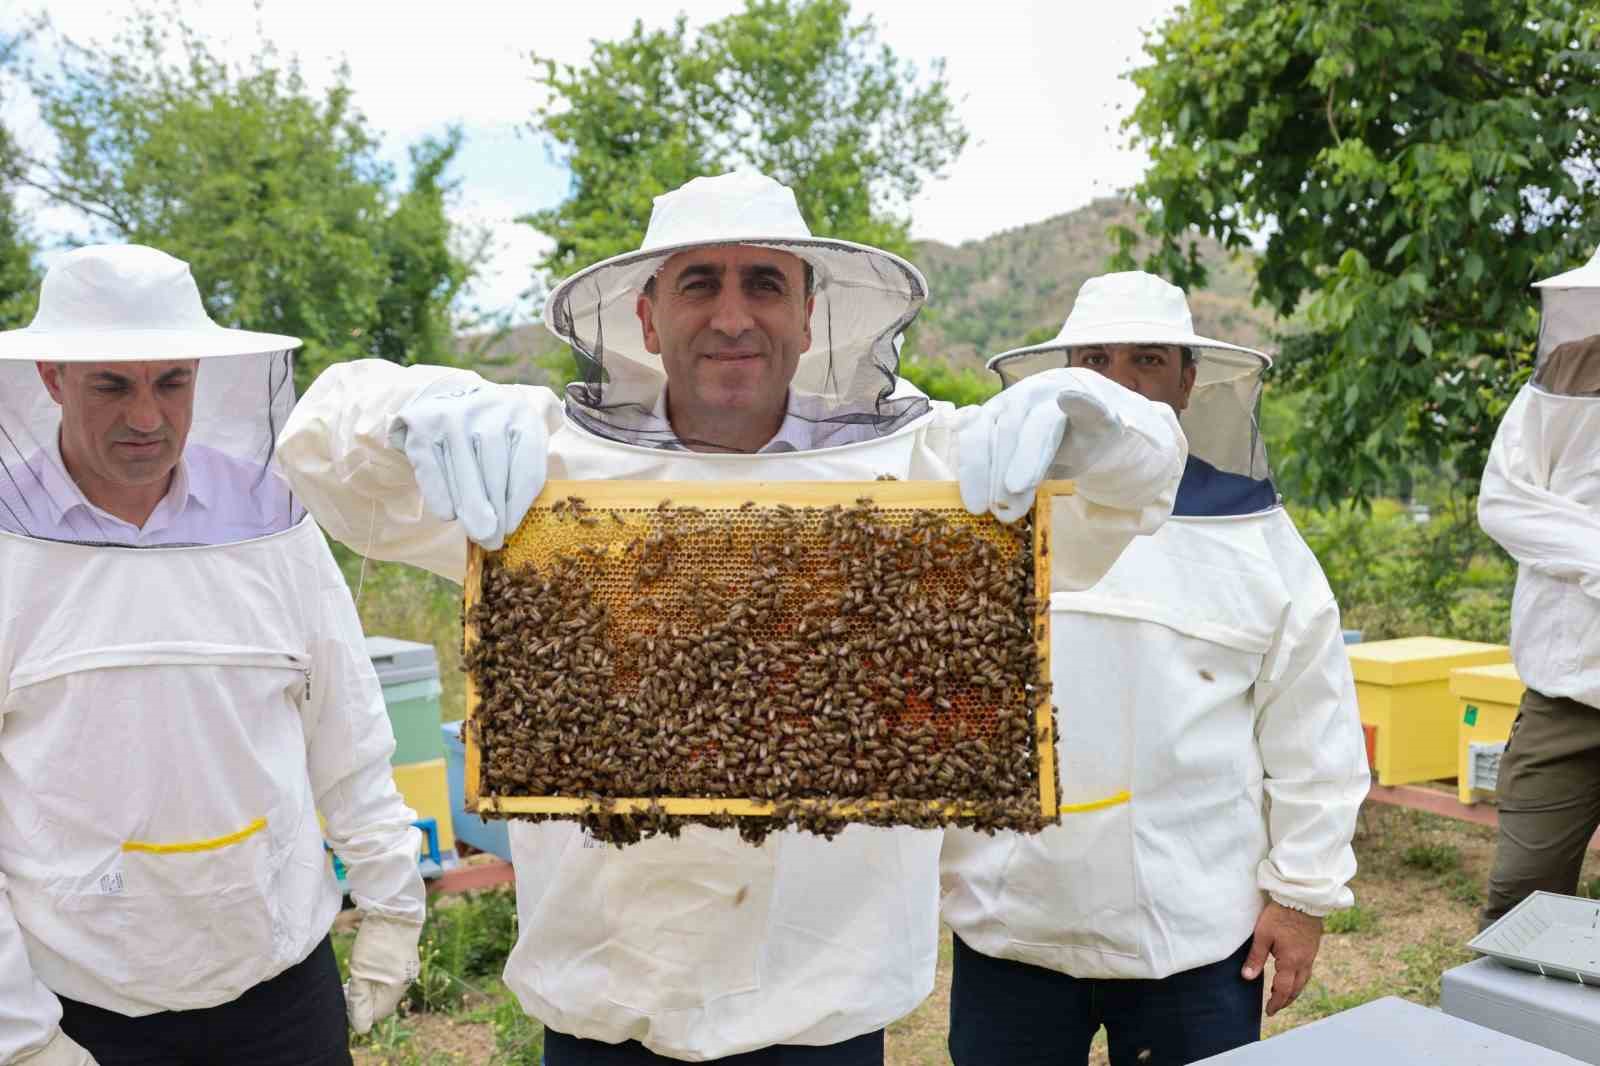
(620,511)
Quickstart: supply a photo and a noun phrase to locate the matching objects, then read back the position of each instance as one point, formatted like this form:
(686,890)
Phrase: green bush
(464,945)
(1395,576)
(436,988)
(940,382)
(518,1039)
(395,600)
(1432,858)
(472,937)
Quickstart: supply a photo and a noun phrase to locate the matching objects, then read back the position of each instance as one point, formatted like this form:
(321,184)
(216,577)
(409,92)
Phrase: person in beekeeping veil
(1540,499)
(183,687)
(733,346)
(1212,760)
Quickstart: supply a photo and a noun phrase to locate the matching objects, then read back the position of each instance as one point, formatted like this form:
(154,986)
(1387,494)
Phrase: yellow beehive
(1403,687)
(726,536)
(1487,700)
(426,790)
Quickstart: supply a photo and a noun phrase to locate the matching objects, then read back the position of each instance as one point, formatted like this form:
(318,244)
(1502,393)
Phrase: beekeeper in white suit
(1209,738)
(183,686)
(732,346)
(1540,499)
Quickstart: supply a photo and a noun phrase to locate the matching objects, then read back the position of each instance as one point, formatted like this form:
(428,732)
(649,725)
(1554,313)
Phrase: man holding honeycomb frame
(733,346)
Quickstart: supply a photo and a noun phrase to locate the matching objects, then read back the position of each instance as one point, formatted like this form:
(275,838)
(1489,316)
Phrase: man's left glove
(479,453)
(1008,447)
(383,963)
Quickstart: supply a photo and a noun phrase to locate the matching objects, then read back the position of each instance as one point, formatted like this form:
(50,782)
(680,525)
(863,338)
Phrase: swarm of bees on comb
(761,667)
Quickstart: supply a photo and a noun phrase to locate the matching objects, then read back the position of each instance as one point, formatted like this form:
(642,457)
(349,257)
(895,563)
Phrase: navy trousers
(295,1019)
(563,1050)
(1006,1013)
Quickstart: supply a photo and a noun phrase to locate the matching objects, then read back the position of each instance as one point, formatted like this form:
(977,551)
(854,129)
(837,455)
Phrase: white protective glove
(383,963)
(478,451)
(1007,449)
(61,1051)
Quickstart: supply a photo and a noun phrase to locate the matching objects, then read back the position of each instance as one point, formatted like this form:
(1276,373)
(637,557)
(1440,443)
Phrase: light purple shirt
(213,499)
(796,433)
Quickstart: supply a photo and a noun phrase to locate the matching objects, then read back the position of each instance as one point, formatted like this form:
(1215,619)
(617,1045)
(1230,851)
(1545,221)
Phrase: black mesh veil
(845,384)
(225,472)
(1568,356)
(1222,420)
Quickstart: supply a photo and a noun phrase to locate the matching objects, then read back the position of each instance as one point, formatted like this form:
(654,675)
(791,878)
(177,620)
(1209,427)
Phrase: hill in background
(988,295)
(1016,286)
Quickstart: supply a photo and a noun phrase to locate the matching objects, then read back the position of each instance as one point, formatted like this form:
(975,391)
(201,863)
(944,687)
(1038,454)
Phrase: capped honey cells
(639,663)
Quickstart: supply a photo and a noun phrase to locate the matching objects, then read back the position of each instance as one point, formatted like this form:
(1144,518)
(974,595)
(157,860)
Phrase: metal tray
(1549,934)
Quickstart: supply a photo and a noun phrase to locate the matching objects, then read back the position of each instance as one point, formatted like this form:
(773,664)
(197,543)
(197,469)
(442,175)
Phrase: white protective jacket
(171,722)
(705,946)
(1206,675)
(1540,499)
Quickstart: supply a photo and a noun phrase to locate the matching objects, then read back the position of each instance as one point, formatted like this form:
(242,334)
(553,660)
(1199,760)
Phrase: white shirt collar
(795,434)
(64,497)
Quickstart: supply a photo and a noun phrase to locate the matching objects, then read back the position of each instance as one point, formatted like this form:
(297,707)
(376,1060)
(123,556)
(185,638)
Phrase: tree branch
(1488,73)
(66,193)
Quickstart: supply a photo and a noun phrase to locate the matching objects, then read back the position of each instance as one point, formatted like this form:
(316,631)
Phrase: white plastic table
(1549,1011)
(1391,1032)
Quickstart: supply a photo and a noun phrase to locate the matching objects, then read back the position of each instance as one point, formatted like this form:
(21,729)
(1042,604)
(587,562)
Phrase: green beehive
(409,673)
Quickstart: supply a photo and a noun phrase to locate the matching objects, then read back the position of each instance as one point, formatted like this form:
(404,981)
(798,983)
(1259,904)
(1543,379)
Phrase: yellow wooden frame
(601,495)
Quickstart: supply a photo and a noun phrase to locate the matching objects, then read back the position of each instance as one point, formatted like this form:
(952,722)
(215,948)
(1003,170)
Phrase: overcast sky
(1038,85)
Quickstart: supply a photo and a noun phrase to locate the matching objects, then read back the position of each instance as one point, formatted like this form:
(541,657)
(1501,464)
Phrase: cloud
(1037,82)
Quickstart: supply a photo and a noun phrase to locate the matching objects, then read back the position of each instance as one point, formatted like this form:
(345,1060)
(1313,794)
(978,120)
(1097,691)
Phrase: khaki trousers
(1549,794)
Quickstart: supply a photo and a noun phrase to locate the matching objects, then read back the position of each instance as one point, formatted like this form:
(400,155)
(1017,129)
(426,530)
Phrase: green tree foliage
(275,195)
(792,88)
(1415,166)
(18,279)
(1399,573)
(940,381)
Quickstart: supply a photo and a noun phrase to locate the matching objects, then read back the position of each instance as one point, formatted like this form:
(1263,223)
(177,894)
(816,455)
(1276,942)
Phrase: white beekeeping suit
(705,946)
(178,698)
(1207,716)
(1540,496)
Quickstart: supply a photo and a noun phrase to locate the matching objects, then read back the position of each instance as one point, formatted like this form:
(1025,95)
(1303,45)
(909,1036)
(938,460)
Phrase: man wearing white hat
(183,687)
(1211,744)
(732,346)
(1540,499)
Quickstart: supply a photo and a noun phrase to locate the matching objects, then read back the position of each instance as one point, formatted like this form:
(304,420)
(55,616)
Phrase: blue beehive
(485,836)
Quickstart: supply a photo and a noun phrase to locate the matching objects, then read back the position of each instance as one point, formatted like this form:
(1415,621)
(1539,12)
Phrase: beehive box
(644,654)
(1487,701)
(1403,688)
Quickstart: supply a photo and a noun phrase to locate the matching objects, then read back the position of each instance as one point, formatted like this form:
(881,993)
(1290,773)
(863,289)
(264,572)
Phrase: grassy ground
(1418,894)
(411,604)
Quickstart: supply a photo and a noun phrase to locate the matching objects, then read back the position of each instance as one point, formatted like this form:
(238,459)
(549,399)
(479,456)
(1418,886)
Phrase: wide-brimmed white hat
(1584,277)
(1133,307)
(1570,313)
(126,303)
(864,295)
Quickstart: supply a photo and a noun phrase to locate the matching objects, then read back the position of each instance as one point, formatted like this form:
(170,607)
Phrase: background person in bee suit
(733,346)
(183,686)
(1210,741)
(1540,499)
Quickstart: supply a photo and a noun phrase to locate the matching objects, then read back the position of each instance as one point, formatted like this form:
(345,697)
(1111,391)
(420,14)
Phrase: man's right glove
(1009,445)
(61,1051)
(479,453)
